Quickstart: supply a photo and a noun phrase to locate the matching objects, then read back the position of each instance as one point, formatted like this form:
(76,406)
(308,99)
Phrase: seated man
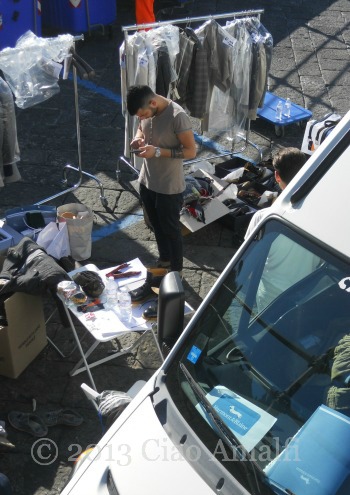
(277,274)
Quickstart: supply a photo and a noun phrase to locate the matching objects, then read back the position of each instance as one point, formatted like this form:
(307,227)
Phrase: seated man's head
(287,162)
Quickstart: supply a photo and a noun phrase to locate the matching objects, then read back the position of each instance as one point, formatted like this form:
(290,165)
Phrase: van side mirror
(171,307)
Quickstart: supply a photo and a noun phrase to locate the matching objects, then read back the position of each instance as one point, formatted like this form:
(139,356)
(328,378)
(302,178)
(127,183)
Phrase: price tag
(143,61)
(229,42)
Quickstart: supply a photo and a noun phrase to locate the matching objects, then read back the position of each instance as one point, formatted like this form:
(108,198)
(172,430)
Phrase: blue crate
(16,18)
(15,217)
(298,114)
(78,16)
(5,240)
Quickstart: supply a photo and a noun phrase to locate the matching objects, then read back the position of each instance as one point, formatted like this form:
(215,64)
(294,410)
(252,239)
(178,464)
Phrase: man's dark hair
(138,97)
(287,162)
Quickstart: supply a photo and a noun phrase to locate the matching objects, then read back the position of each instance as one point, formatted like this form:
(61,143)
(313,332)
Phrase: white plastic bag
(55,240)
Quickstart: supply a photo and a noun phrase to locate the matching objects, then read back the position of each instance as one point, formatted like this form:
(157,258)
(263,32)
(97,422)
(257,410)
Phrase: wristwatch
(157,152)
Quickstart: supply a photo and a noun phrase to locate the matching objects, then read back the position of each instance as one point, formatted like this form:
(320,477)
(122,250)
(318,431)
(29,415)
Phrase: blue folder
(317,459)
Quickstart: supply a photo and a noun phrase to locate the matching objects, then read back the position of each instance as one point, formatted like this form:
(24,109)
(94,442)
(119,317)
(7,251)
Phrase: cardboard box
(213,209)
(25,336)
(224,168)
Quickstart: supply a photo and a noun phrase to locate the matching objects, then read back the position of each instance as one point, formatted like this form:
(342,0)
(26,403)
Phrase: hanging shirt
(9,155)
(198,79)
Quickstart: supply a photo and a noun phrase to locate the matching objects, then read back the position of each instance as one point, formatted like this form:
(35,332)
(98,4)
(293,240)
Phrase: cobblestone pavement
(310,65)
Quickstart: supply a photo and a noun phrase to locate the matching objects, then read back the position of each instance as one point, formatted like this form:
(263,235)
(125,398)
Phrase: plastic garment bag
(240,89)
(32,68)
(261,63)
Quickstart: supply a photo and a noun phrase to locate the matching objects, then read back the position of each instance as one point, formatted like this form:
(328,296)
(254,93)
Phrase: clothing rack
(189,20)
(79,169)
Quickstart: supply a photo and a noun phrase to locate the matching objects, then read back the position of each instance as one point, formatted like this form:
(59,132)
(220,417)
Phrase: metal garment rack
(189,20)
(66,168)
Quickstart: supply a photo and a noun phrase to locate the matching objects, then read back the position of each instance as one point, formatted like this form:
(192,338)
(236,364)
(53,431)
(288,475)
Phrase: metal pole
(88,16)
(78,169)
(35,19)
(243,13)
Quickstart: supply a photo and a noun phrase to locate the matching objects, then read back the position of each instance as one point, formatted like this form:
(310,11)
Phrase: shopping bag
(317,130)
(55,240)
(79,220)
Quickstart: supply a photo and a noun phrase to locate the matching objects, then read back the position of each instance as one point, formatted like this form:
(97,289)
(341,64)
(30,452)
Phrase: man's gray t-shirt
(164,175)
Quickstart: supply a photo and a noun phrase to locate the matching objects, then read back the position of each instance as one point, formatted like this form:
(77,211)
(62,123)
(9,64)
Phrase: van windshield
(270,352)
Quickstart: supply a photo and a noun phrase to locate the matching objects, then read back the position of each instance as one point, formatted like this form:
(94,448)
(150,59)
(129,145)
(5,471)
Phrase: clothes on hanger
(238,103)
(220,49)
(147,57)
(217,73)
(192,68)
(262,58)
(9,150)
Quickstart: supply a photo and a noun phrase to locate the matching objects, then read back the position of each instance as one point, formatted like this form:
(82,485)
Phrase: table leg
(116,354)
(80,348)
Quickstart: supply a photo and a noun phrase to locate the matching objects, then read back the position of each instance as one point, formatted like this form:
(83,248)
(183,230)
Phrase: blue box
(317,459)
(16,18)
(5,240)
(78,16)
(16,217)
(298,114)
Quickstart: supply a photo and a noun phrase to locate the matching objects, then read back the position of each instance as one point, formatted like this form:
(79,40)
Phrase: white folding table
(105,325)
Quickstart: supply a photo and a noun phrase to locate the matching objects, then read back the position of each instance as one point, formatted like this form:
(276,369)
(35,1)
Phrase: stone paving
(310,65)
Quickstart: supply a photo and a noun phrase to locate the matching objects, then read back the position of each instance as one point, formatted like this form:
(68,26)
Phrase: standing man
(164,139)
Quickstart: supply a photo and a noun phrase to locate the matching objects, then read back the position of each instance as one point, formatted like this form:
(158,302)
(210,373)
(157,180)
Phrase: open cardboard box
(213,208)
(24,336)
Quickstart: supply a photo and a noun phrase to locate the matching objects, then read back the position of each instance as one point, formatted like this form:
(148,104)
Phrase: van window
(270,346)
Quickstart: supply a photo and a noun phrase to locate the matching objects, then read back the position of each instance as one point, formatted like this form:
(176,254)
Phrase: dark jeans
(163,211)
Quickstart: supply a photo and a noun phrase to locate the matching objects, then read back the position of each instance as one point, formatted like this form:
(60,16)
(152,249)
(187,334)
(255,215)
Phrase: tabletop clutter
(91,290)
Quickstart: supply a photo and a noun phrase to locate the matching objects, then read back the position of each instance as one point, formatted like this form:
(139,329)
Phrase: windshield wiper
(224,431)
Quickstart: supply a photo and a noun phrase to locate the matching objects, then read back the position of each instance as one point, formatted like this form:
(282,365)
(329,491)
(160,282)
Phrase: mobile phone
(135,151)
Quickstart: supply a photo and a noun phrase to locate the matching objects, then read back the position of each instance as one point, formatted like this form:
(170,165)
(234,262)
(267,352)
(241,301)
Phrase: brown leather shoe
(163,264)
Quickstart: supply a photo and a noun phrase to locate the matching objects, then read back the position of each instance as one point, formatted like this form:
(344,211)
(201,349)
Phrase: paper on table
(135,265)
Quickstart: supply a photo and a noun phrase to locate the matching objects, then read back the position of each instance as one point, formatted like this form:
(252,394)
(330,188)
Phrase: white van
(254,397)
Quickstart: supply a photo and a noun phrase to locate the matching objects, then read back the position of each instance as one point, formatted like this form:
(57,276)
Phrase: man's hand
(137,142)
(147,151)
